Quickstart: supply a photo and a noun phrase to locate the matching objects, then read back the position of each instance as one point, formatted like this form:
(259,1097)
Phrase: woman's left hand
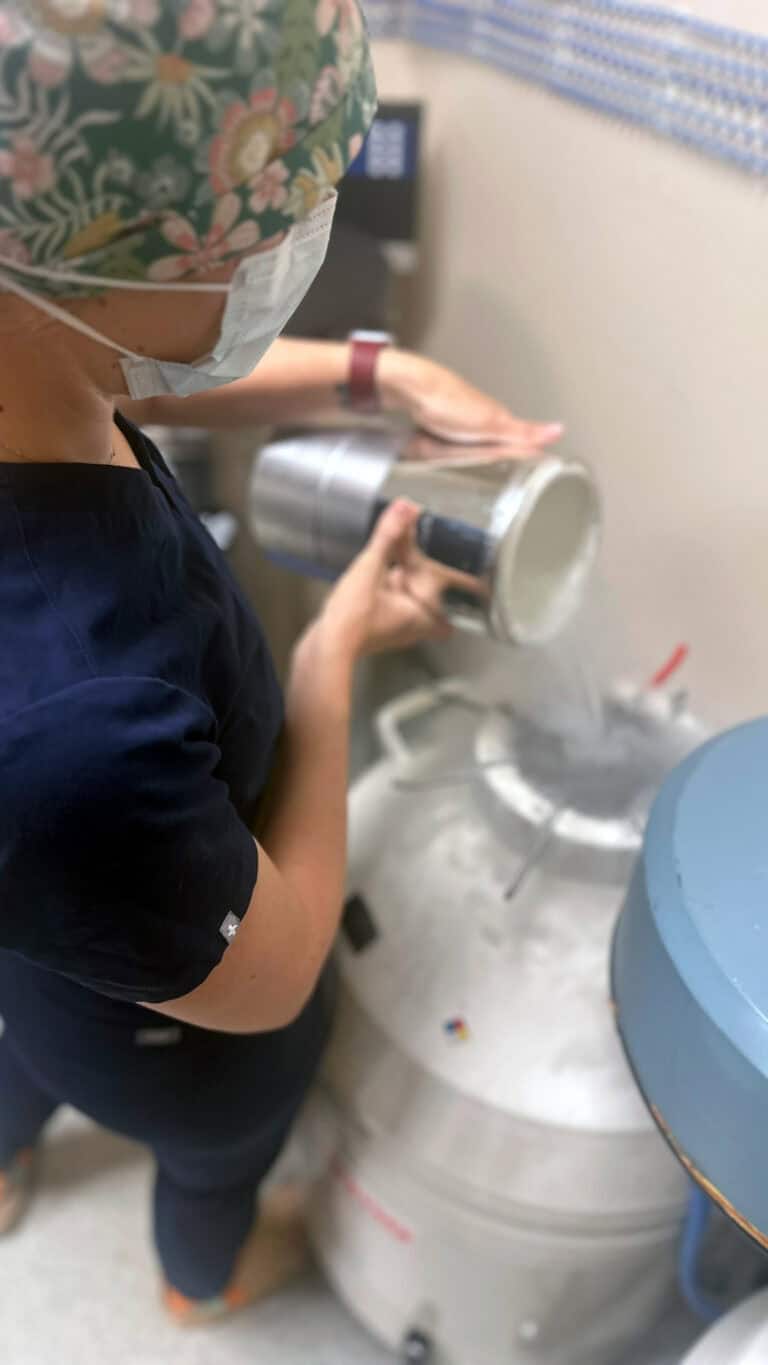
(445,406)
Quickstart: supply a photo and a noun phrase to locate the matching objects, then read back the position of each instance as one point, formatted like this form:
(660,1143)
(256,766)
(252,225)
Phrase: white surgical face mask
(264,292)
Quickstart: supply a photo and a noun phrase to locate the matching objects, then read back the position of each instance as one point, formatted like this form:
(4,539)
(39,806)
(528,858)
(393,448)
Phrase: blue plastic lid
(690,970)
(720,851)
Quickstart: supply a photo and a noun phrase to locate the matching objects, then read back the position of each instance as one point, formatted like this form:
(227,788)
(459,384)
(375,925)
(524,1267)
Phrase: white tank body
(741,1338)
(494,1192)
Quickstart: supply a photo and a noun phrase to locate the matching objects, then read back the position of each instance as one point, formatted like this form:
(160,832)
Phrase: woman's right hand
(391,594)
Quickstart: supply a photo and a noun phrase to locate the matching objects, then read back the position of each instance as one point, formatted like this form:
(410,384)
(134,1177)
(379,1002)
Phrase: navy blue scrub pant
(208,1172)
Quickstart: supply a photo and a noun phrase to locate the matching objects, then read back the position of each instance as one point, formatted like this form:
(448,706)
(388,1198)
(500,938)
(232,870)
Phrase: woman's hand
(446,406)
(390,596)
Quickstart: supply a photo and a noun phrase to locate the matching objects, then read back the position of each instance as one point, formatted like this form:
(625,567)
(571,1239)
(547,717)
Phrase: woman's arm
(297,378)
(294,378)
(268,973)
(271,968)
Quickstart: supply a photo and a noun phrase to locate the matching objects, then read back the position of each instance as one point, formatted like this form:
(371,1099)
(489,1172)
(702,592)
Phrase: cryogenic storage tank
(495,1191)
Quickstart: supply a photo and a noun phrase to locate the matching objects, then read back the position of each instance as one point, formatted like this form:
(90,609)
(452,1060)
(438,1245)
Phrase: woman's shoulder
(98,735)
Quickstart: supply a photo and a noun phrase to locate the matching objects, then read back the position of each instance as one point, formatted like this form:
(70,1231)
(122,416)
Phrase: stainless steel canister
(528,531)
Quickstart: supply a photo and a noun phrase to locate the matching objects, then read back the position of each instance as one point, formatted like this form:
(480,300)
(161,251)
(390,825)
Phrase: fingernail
(551,430)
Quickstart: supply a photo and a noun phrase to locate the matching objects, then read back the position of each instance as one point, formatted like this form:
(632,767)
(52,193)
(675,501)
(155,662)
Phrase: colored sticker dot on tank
(457,1028)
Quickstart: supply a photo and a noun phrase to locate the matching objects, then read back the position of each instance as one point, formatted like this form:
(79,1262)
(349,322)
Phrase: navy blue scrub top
(139,712)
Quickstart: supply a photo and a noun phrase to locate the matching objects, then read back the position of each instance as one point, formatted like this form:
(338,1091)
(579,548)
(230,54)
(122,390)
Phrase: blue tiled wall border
(698,83)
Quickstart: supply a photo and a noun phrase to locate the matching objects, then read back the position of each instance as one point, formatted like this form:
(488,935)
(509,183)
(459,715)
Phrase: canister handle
(416,702)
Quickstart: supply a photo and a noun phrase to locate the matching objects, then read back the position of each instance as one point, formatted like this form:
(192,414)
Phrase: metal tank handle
(418,702)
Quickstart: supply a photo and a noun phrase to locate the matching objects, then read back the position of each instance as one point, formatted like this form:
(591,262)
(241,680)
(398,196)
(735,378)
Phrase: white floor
(78,1283)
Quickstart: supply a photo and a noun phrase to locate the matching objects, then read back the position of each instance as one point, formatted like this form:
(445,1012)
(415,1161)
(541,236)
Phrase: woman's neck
(51,408)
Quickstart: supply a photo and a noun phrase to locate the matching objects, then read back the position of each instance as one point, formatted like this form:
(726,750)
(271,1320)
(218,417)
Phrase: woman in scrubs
(166,192)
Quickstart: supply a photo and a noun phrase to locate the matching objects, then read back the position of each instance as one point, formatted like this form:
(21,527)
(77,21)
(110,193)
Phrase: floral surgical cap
(150,139)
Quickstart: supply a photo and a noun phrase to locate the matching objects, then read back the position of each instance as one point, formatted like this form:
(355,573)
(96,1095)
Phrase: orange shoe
(274,1254)
(16,1182)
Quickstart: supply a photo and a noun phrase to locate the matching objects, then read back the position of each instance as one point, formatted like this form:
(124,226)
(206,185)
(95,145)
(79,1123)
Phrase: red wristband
(361,389)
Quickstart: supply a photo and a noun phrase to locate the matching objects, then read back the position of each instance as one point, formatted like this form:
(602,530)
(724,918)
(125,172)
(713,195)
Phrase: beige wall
(743,14)
(586,271)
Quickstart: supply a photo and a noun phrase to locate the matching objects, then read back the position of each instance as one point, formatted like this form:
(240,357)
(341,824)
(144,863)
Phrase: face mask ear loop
(107,282)
(61,315)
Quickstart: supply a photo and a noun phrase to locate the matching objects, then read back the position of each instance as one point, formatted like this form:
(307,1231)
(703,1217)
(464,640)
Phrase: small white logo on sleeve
(229,927)
(158,1037)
